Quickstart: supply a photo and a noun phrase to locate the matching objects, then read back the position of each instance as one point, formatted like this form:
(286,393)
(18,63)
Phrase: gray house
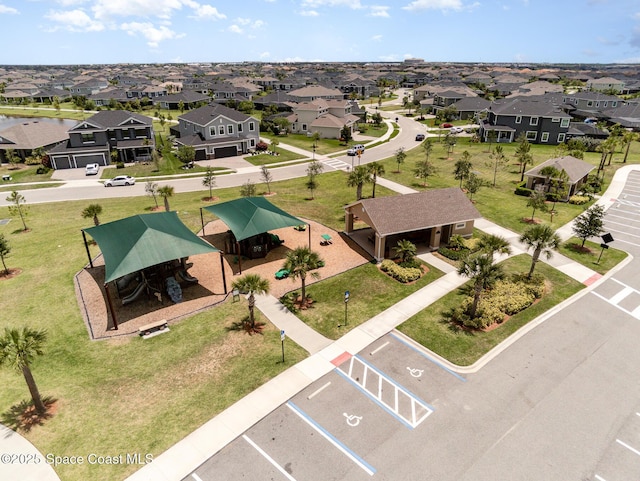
(216,131)
(129,134)
(538,118)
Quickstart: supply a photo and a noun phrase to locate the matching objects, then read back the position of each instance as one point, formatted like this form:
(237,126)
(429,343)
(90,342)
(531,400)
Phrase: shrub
(411,264)
(42,170)
(262,146)
(522,190)
(510,298)
(457,242)
(486,314)
(120,165)
(402,274)
(288,301)
(453,254)
(473,243)
(579,199)
(535,285)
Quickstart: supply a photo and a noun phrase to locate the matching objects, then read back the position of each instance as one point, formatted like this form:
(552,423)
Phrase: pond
(7,121)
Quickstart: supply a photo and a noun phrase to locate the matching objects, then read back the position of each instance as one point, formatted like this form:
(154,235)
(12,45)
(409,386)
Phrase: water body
(7,121)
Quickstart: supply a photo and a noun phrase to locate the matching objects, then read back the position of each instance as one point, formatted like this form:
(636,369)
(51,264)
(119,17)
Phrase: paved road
(563,403)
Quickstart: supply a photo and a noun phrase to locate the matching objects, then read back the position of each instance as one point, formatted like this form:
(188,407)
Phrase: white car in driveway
(456,130)
(91,169)
(120,180)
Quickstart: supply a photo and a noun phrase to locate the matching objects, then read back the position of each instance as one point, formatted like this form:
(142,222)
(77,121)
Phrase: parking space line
(633,450)
(415,420)
(268,458)
(311,396)
(196,477)
(370,470)
(379,348)
(442,366)
(600,478)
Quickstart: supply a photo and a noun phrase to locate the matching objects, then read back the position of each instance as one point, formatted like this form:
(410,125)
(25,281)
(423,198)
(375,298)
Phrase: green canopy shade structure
(145,240)
(250,216)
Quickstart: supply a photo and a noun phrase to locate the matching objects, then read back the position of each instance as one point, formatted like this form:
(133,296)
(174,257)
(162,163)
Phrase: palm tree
(92,211)
(18,349)
(253,284)
(357,178)
(543,239)
(300,262)
(406,250)
(375,169)
(165,192)
(484,273)
(494,244)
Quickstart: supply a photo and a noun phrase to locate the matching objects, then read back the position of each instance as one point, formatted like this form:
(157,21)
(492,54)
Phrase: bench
(6,177)
(326,240)
(153,328)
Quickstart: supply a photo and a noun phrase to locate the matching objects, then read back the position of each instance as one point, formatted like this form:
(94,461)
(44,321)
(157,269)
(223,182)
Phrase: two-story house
(539,119)
(327,117)
(216,131)
(127,134)
(606,84)
(590,104)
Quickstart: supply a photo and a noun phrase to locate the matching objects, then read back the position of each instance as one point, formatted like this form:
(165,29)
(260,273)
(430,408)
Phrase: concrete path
(20,460)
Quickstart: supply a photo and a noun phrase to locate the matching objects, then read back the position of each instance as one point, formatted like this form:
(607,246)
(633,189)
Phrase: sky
(52,32)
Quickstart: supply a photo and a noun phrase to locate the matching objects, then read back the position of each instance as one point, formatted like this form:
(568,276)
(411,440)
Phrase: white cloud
(264,55)
(70,3)
(309,13)
(73,21)
(153,34)
(435,5)
(5,9)
(241,23)
(353,4)
(235,29)
(376,38)
(109,9)
(207,12)
(379,11)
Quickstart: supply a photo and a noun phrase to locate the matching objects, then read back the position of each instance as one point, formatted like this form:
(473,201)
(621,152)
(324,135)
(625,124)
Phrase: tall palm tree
(18,349)
(357,178)
(543,239)
(300,262)
(375,169)
(253,284)
(165,192)
(484,273)
(92,211)
(494,244)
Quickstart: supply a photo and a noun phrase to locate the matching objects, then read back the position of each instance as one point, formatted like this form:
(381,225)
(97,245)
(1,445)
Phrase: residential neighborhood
(280,269)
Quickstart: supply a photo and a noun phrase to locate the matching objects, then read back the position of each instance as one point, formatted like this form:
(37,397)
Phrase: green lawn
(371,292)
(266,159)
(464,347)
(589,256)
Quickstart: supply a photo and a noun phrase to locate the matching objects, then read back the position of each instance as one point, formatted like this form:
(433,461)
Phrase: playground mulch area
(340,255)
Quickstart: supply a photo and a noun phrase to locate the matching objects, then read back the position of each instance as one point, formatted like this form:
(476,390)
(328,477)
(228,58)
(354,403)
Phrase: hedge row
(402,274)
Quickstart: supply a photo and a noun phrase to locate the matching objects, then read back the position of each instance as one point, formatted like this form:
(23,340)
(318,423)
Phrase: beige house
(576,174)
(429,218)
(327,117)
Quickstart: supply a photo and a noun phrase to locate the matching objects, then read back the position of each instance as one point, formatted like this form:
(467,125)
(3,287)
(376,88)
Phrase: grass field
(463,347)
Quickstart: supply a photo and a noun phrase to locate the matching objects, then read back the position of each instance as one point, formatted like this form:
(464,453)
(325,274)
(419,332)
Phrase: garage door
(83,160)
(61,162)
(225,152)
(201,154)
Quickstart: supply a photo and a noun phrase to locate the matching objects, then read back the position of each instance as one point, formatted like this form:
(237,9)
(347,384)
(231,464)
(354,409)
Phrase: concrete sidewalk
(21,460)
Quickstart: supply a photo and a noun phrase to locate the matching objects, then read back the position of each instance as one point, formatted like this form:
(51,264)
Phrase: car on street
(91,169)
(356,150)
(456,130)
(120,180)
(419,137)
(446,125)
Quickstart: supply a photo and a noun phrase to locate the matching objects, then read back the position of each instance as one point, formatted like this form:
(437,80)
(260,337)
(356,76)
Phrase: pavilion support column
(110,306)
(86,246)
(202,221)
(224,276)
(239,257)
(309,235)
(379,247)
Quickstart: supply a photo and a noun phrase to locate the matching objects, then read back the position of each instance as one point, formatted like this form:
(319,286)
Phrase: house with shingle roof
(25,137)
(315,92)
(128,134)
(216,131)
(327,117)
(539,119)
(577,172)
(426,218)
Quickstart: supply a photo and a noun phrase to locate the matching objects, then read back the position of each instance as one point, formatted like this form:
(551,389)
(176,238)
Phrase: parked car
(456,130)
(446,125)
(120,180)
(91,169)
(419,137)
(356,149)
